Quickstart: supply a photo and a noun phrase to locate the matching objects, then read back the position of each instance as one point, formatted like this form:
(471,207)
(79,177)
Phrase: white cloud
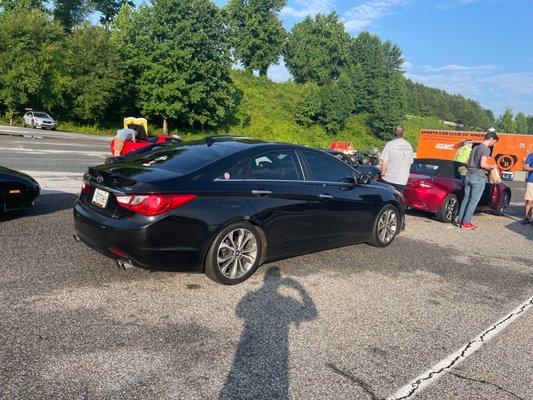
(489,85)
(279,73)
(367,12)
(308,8)
(406,66)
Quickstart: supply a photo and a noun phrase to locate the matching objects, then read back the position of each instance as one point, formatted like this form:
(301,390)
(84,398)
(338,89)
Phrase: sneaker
(525,221)
(468,225)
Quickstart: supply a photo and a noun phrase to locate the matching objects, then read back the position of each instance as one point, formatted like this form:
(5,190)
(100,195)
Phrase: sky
(481,49)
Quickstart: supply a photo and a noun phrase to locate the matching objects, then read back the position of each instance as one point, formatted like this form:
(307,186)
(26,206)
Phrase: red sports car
(131,146)
(436,186)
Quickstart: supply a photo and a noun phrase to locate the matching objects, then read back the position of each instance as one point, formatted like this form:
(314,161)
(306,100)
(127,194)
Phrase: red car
(130,145)
(436,186)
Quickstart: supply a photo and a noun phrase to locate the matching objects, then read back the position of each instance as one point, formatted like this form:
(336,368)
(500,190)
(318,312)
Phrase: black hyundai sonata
(225,205)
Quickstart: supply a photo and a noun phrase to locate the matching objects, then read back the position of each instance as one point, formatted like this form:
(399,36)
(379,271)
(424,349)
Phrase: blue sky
(482,49)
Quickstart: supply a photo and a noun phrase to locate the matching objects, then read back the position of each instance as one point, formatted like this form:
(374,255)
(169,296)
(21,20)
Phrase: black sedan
(370,170)
(17,190)
(226,205)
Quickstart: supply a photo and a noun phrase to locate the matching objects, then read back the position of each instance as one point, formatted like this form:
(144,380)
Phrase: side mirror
(364,179)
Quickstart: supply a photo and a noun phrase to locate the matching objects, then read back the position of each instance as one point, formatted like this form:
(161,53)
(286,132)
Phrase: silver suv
(38,119)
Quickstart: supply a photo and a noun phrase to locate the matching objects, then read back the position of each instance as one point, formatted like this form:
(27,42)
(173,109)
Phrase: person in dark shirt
(475,181)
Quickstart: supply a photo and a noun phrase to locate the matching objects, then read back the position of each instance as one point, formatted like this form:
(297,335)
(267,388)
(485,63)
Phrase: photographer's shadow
(260,368)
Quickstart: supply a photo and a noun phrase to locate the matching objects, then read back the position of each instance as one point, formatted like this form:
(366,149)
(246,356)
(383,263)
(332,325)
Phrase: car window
(236,172)
(41,115)
(276,165)
(327,169)
(424,169)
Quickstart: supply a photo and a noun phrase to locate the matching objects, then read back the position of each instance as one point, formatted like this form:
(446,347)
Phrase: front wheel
(504,204)
(234,254)
(448,209)
(386,227)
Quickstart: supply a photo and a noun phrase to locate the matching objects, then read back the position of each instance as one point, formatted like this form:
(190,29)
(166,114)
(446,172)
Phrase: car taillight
(85,187)
(154,204)
(421,184)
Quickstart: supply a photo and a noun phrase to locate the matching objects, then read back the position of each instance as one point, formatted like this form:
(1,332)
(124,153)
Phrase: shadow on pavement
(524,230)
(260,368)
(44,204)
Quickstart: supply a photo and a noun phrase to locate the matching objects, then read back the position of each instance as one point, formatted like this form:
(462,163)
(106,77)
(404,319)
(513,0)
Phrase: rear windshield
(184,158)
(424,169)
(41,115)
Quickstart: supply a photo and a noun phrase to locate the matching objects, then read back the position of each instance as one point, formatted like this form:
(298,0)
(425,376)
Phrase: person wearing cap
(476,179)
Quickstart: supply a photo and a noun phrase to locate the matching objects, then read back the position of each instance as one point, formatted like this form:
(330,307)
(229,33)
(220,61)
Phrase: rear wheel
(234,254)
(33,124)
(386,227)
(448,209)
(504,204)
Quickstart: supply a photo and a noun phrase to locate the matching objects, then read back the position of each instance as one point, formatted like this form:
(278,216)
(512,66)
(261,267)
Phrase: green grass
(265,112)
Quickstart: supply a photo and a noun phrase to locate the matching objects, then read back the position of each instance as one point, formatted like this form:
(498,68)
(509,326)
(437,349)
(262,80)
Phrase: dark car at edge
(17,190)
(226,205)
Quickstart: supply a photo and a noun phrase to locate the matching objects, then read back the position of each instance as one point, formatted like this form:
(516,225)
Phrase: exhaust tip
(76,238)
(124,264)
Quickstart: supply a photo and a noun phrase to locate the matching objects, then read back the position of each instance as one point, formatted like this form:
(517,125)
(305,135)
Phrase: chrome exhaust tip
(76,238)
(124,264)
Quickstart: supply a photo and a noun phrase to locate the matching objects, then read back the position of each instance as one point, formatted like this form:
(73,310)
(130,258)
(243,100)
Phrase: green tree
(389,105)
(30,50)
(335,110)
(93,77)
(309,106)
(256,32)
(21,5)
(185,71)
(70,13)
(317,49)
(108,9)
(520,121)
(505,122)
(530,124)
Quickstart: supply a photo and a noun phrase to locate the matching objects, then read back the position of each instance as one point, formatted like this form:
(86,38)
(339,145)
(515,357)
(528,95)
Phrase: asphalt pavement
(350,323)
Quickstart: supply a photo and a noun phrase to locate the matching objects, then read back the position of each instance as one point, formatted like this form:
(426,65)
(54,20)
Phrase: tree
(335,110)
(505,122)
(70,13)
(21,5)
(520,121)
(30,50)
(256,32)
(530,124)
(93,77)
(185,68)
(317,49)
(309,106)
(109,9)
(389,105)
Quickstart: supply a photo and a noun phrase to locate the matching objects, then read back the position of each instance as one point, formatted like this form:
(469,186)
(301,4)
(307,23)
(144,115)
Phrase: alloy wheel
(451,208)
(237,253)
(505,204)
(387,226)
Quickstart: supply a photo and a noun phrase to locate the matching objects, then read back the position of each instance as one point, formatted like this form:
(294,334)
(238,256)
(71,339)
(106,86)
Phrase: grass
(265,112)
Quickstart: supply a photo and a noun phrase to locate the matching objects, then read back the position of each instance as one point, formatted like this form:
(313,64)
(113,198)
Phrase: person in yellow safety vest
(464,152)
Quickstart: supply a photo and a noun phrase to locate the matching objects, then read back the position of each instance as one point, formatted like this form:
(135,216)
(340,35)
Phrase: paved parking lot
(350,323)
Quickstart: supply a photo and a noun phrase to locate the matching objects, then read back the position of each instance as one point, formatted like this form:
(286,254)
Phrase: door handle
(261,192)
(325,196)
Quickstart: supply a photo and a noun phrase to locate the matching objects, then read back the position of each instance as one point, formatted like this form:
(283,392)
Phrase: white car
(38,119)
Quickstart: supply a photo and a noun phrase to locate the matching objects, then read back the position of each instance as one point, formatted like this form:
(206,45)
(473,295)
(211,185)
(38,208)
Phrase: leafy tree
(317,49)
(30,50)
(185,71)
(520,121)
(256,32)
(389,106)
(309,106)
(354,76)
(93,81)
(335,109)
(505,122)
(530,124)
(70,12)
(21,5)
(109,9)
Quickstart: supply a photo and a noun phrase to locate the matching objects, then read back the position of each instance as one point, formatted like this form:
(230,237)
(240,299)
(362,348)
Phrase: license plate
(100,198)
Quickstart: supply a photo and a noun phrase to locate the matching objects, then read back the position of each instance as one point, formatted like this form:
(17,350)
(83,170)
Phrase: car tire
(234,254)
(503,205)
(33,124)
(386,226)
(448,209)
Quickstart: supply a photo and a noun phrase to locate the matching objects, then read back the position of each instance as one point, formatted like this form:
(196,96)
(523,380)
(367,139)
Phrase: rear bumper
(140,241)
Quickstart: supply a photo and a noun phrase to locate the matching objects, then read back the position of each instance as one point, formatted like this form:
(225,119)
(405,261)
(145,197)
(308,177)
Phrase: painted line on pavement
(442,367)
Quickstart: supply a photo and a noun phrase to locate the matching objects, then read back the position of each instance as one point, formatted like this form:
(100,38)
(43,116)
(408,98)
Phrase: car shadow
(260,368)
(47,203)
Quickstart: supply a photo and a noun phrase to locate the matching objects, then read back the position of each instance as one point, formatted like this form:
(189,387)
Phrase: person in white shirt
(396,161)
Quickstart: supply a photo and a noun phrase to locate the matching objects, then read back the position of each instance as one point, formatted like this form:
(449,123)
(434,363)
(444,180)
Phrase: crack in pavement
(486,383)
(359,382)
(458,356)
